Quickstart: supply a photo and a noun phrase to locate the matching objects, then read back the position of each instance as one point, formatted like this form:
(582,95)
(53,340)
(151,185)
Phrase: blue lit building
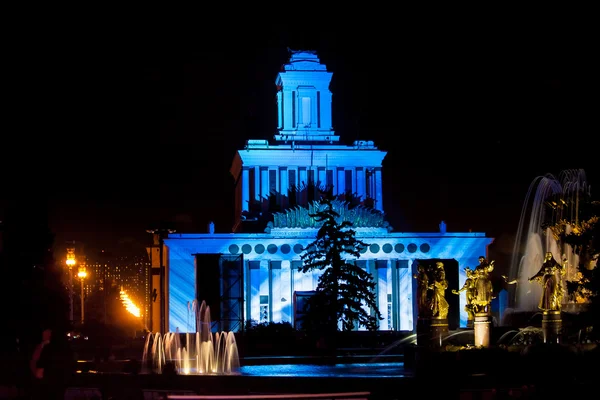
(248,275)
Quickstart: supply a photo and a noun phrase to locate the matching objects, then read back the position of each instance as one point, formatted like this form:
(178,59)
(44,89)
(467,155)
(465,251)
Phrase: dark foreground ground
(533,372)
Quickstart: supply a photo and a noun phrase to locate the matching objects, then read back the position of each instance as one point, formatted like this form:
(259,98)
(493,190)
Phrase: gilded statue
(431,288)
(422,291)
(469,289)
(439,305)
(550,277)
(483,286)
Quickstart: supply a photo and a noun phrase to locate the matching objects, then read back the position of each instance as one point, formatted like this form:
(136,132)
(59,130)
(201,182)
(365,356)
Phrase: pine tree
(345,292)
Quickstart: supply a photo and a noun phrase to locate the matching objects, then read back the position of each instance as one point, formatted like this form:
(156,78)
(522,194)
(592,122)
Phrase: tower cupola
(304,100)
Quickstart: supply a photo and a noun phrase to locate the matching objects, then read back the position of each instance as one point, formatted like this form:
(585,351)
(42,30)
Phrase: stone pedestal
(439,330)
(552,327)
(482,327)
(431,332)
(423,329)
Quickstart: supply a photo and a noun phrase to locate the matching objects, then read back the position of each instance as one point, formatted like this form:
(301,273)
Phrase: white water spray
(201,353)
(548,200)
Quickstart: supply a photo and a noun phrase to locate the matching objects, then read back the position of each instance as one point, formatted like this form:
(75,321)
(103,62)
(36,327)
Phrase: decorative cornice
(343,157)
(320,79)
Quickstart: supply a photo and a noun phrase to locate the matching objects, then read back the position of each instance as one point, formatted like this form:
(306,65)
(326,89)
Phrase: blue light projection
(181,289)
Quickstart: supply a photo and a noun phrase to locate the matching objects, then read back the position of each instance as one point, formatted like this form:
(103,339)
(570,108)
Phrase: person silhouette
(37,370)
(51,366)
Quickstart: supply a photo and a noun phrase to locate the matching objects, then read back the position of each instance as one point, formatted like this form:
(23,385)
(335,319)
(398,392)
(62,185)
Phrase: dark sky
(119,130)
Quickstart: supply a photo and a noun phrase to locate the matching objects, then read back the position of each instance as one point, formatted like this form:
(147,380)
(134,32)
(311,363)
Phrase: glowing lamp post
(82,275)
(70,264)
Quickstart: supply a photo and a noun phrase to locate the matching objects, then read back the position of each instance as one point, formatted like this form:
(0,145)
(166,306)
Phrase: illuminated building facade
(254,275)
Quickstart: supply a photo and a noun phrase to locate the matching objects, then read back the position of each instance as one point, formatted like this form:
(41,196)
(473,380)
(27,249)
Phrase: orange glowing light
(129,304)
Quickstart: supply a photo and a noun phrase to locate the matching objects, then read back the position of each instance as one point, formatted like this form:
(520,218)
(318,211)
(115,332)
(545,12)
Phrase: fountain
(200,353)
(549,200)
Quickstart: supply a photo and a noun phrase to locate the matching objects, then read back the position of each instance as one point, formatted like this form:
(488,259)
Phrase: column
(293,181)
(341,181)
(394,275)
(302,180)
(378,190)
(283,181)
(321,176)
(297,282)
(302,176)
(265,286)
(287,290)
(280,109)
(381,267)
(275,294)
(326,109)
(287,109)
(335,180)
(245,188)
(360,182)
(254,290)
(277,178)
(405,287)
(257,184)
(264,183)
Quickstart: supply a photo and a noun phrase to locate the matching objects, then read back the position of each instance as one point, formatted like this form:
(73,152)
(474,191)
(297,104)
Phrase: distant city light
(129,304)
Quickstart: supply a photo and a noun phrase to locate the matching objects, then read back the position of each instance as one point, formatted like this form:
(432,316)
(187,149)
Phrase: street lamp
(70,264)
(82,274)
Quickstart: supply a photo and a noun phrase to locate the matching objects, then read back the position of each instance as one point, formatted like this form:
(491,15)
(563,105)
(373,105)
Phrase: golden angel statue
(550,277)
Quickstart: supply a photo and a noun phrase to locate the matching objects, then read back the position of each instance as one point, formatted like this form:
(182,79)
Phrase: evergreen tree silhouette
(345,292)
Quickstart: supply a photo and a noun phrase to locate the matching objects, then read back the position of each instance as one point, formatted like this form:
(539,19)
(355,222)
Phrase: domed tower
(306,149)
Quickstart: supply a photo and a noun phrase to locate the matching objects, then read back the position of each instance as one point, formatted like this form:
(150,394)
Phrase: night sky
(117,131)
